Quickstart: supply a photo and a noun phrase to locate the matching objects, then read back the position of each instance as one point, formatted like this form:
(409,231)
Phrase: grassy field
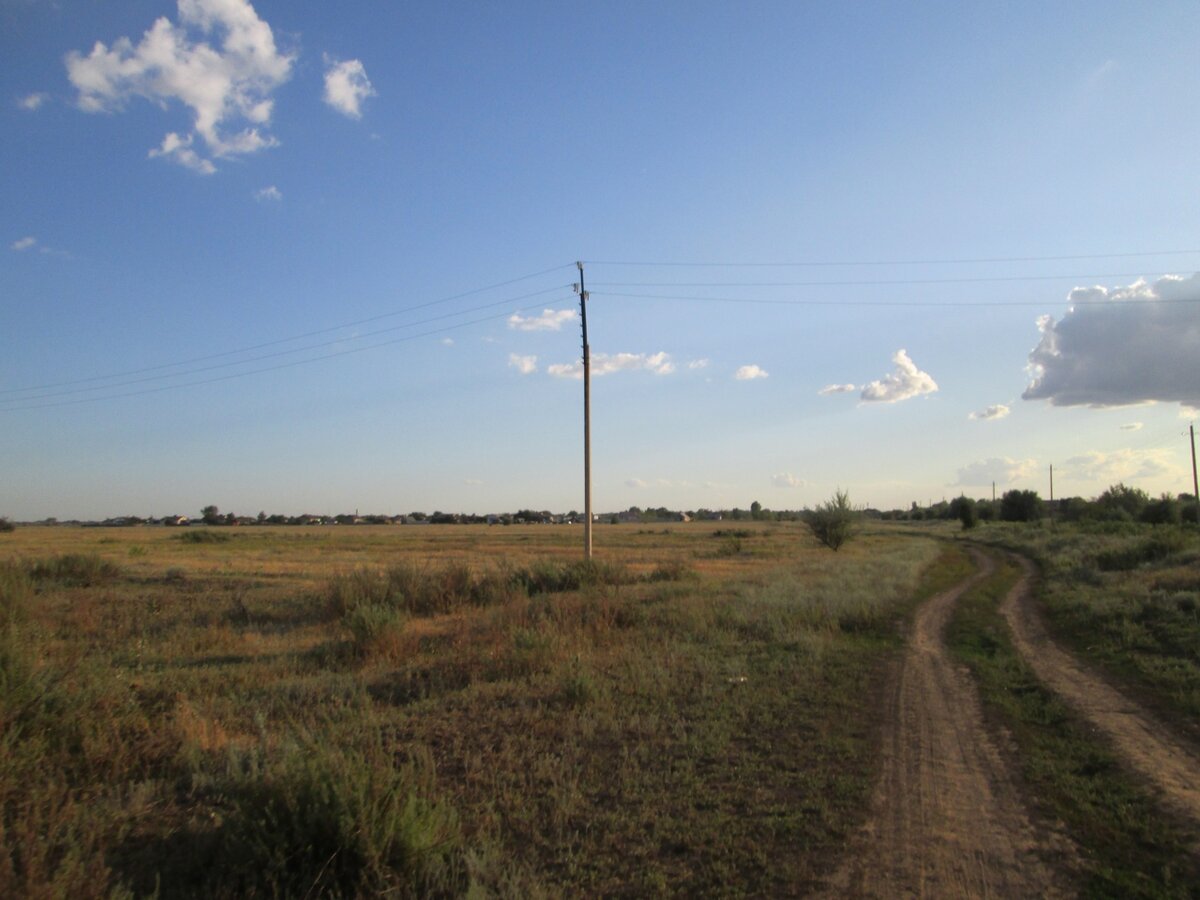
(440,711)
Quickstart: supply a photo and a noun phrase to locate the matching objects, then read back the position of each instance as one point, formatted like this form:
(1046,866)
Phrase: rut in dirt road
(946,819)
(1143,742)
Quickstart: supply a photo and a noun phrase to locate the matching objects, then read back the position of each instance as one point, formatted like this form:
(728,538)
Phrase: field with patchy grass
(441,711)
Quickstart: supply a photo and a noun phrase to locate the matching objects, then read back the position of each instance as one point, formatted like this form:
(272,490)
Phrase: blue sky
(318,257)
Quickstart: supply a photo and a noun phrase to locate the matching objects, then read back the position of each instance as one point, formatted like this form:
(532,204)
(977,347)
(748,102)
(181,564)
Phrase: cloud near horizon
(347,86)
(1121,347)
(989,413)
(605,364)
(837,389)
(526,365)
(1001,470)
(548,320)
(225,86)
(905,381)
(787,480)
(750,373)
(1118,465)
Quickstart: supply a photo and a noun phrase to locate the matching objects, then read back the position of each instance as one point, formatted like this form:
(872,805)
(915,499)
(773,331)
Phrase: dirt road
(1144,743)
(946,818)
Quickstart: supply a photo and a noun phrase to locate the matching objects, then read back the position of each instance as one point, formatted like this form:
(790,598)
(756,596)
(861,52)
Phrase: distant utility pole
(1195,484)
(1051,482)
(587,422)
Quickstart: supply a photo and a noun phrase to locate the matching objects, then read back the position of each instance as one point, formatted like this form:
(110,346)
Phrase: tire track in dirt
(1140,739)
(946,819)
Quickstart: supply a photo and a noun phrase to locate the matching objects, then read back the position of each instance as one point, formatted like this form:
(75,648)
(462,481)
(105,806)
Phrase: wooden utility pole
(587,422)
(1051,482)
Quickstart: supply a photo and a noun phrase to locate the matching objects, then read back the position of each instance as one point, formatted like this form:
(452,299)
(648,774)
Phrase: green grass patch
(1129,848)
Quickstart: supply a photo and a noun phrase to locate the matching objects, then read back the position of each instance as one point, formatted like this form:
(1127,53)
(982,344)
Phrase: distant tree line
(1119,503)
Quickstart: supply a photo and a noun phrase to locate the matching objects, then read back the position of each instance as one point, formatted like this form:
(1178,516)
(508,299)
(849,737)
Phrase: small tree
(210,515)
(6,526)
(1021,506)
(963,509)
(832,522)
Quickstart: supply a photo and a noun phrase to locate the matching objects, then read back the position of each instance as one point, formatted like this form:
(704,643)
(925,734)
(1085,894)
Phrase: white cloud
(698,364)
(23,244)
(526,365)
(1189,412)
(549,320)
(447,342)
(635,483)
(180,150)
(1132,426)
(474,482)
(1121,347)
(1119,465)
(1001,470)
(837,389)
(995,411)
(787,480)
(269,193)
(749,373)
(226,85)
(32,102)
(605,364)
(904,382)
(347,86)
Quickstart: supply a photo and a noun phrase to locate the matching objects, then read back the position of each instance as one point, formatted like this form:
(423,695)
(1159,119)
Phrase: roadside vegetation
(435,713)
(1128,847)
(1126,596)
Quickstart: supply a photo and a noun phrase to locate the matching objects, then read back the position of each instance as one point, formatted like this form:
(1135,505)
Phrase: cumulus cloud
(526,365)
(698,364)
(268,194)
(905,381)
(1118,465)
(995,411)
(837,389)
(634,483)
(1001,470)
(347,86)
(548,320)
(32,102)
(749,373)
(1121,347)
(786,480)
(23,244)
(225,82)
(605,364)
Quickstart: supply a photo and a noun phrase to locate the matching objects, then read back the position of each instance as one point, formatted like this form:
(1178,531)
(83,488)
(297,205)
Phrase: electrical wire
(866,282)
(299,337)
(275,355)
(876,303)
(287,365)
(894,262)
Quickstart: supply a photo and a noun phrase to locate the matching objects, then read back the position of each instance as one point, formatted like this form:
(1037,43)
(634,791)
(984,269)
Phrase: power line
(869,282)
(299,337)
(893,262)
(878,303)
(287,365)
(276,354)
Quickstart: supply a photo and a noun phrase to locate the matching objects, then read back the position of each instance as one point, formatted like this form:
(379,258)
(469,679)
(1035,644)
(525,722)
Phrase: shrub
(319,821)
(6,526)
(1021,506)
(204,536)
(832,522)
(75,570)
(963,509)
